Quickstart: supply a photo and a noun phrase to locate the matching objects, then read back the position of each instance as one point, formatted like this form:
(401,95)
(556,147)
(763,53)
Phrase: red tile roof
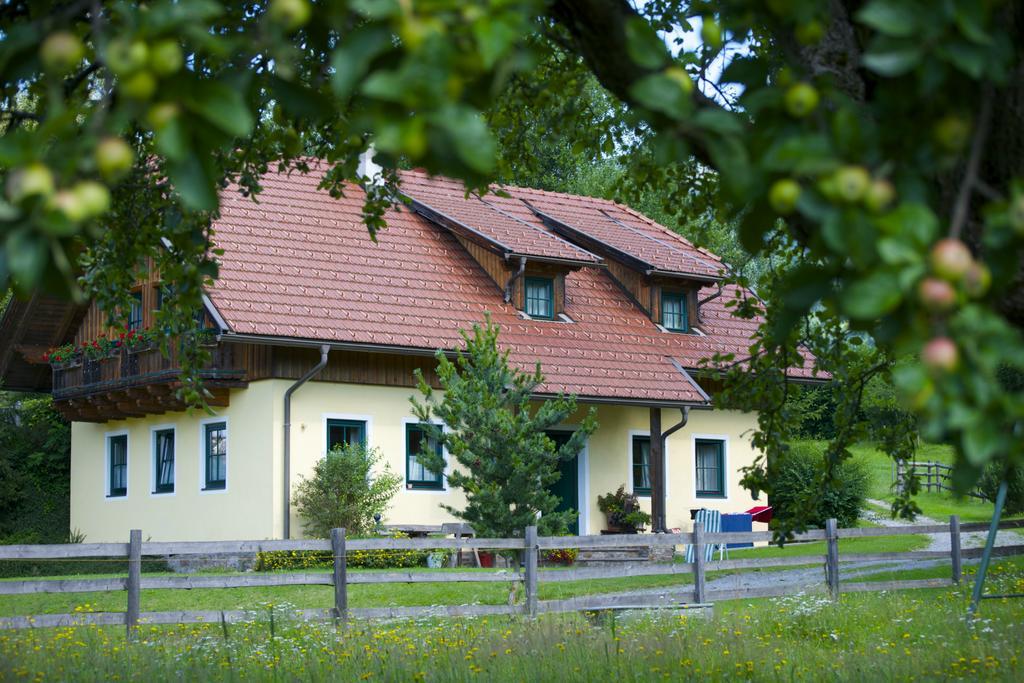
(300,264)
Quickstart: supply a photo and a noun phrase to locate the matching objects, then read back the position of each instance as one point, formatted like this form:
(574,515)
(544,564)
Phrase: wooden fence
(934,476)
(530,545)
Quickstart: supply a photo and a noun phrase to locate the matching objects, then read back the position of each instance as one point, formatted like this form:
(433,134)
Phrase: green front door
(567,488)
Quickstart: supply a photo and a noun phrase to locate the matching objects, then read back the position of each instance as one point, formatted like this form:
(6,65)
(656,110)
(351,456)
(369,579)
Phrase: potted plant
(565,556)
(623,512)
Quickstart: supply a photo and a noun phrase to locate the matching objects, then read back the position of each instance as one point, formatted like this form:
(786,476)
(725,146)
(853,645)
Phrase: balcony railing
(135,367)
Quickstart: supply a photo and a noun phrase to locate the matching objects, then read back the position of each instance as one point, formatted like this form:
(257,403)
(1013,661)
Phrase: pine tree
(506,463)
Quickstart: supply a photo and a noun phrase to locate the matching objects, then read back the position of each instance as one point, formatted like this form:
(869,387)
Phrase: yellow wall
(241,511)
(251,506)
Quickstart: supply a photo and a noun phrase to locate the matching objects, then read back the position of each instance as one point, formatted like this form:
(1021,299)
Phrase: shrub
(284,560)
(988,485)
(344,493)
(799,488)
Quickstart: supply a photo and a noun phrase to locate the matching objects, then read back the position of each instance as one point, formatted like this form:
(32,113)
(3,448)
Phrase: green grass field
(909,635)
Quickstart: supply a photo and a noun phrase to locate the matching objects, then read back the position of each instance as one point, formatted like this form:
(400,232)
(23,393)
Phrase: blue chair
(712,521)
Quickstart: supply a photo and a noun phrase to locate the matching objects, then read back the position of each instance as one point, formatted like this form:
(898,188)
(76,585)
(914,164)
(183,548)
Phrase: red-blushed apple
(977,280)
(941,355)
(938,296)
(950,259)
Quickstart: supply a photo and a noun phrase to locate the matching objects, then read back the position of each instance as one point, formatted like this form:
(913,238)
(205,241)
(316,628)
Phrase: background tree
(346,490)
(507,464)
(877,143)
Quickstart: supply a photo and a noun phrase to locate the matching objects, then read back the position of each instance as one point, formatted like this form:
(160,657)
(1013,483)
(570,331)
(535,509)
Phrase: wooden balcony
(138,382)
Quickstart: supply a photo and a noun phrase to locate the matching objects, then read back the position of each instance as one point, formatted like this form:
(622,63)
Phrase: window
(163,461)
(117,464)
(642,465)
(540,297)
(417,476)
(215,440)
(342,432)
(135,312)
(710,460)
(673,311)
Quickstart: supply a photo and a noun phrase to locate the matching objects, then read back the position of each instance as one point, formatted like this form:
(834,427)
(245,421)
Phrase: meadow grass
(908,635)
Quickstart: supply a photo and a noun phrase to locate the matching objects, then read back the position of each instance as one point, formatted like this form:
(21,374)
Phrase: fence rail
(934,476)
(529,546)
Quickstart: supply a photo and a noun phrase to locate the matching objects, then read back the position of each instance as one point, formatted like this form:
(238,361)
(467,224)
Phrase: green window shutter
(674,315)
(540,297)
(117,454)
(642,465)
(417,476)
(709,459)
(216,442)
(163,461)
(344,433)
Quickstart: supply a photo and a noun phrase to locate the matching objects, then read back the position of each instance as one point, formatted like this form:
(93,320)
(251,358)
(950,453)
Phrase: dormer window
(674,315)
(540,297)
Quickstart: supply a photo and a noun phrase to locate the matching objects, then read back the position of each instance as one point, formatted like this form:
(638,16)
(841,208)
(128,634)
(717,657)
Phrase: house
(619,311)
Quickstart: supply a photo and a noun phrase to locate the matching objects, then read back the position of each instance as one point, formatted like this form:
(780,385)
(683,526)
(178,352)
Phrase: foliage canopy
(867,142)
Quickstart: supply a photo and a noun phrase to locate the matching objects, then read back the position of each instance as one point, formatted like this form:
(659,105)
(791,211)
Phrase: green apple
(32,180)
(852,183)
(711,33)
(810,32)
(61,52)
(801,99)
(161,114)
(93,196)
(783,195)
(166,58)
(680,76)
(951,259)
(977,280)
(1016,213)
(880,195)
(125,56)
(114,158)
(290,14)
(952,132)
(141,85)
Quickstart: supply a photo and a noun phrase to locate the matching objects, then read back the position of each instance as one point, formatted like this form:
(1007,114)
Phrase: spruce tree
(506,464)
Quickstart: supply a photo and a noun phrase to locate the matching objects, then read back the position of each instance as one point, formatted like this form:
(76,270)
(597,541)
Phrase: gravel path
(968,539)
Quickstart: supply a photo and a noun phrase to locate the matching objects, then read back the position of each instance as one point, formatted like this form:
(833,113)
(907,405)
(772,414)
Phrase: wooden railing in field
(530,545)
(934,476)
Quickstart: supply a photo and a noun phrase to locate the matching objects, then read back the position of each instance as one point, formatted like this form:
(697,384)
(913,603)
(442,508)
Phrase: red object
(487,559)
(760,513)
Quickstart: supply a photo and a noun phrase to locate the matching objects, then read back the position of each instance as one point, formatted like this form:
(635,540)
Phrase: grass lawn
(938,506)
(910,635)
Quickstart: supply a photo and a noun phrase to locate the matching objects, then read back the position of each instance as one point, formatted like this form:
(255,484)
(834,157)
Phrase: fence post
(698,562)
(531,571)
(832,558)
(954,546)
(134,580)
(340,575)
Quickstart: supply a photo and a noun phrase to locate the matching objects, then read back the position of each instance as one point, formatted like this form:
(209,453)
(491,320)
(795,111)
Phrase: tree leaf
(890,17)
(193,182)
(872,297)
(223,106)
(643,44)
(893,60)
(354,56)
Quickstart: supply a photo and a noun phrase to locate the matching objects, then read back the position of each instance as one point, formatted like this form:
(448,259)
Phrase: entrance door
(567,488)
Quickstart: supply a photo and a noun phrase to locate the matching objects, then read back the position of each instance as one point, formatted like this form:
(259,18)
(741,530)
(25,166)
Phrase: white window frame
(202,456)
(694,438)
(154,465)
(108,464)
(445,489)
(629,461)
(324,417)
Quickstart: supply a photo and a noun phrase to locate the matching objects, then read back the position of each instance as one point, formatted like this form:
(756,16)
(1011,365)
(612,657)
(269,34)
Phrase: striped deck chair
(712,521)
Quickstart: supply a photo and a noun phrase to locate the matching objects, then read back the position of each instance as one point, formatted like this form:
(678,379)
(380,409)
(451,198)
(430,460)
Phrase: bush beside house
(799,488)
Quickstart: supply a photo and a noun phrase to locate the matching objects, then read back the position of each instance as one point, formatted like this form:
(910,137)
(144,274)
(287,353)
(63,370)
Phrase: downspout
(324,350)
(512,280)
(658,525)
